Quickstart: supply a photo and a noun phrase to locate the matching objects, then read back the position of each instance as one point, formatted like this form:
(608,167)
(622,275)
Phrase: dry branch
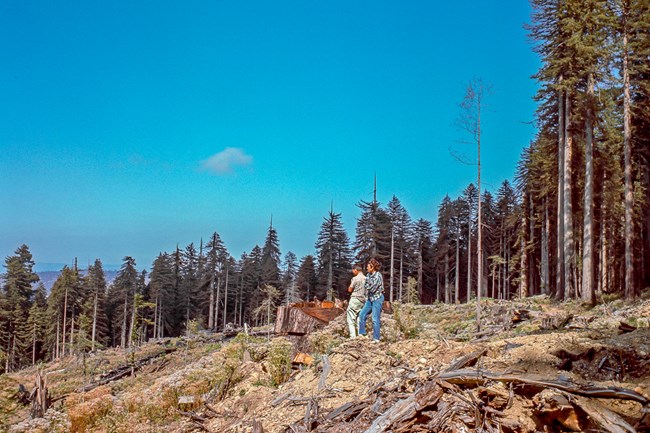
(480,377)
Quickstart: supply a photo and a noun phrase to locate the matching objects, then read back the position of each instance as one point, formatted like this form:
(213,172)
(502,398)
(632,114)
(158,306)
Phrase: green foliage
(408,322)
(279,360)
(333,253)
(324,342)
(412,296)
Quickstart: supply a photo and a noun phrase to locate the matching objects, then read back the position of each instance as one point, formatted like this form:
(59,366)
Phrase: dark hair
(357,267)
(374,263)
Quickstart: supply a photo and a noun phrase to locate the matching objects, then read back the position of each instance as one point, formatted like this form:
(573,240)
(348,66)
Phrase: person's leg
(376,314)
(363,315)
(353,315)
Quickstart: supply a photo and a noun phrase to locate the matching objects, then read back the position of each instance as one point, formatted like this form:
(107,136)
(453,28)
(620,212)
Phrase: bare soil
(542,366)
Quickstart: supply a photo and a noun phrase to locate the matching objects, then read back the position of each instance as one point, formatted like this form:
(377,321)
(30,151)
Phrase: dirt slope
(536,366)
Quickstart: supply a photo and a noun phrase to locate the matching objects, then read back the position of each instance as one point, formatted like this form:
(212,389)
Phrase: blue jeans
(375,307)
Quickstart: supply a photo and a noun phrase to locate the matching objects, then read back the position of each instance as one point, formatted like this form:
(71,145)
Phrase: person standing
(374,287)
(357,299)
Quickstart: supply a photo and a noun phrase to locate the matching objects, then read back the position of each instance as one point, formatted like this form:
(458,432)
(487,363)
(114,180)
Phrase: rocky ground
(536,365)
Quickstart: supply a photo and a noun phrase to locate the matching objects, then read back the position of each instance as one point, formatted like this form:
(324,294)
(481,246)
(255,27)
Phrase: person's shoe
(364,336)
(375,341)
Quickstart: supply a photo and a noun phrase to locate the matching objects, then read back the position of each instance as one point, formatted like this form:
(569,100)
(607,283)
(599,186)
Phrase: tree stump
(39,397)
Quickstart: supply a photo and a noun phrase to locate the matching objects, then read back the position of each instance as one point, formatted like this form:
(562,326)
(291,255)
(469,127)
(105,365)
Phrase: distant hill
(48,278)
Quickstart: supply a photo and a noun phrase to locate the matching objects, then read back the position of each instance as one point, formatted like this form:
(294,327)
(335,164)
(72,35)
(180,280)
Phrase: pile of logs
(468,399)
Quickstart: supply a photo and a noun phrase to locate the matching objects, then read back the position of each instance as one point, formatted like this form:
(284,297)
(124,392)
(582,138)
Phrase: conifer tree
(333,251)
(62,304)
(37,323)
(16,297)
(402,260)
(161,286)
(372,233)
(121,295)
(289,278)
(270,260)
(306,278)
(95,283)
(215,259)
(423,232)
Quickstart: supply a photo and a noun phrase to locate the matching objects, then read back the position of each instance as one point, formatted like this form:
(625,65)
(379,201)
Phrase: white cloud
(226,161)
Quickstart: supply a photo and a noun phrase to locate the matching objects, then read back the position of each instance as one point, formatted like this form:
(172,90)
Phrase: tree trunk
(65,316)
(569,291)
(211,307)
(523,264)
(225,300)
(392,255)
(216,303)
(532,281)
(401,274)
(500,266)
(559,283)
(469,254)
(479,246)
(457,273)
(133,318)
(630,289)
(447,288)
(545,259)
(588,292)
(161,327)
(34,345)
(420,282)
(58,332)
(72,332)
(94,332)
(241,301)
(124,316)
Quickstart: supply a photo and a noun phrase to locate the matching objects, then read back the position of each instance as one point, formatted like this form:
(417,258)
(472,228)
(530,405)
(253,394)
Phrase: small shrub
(324,342)
(407,321)
(279,360)
(86,414)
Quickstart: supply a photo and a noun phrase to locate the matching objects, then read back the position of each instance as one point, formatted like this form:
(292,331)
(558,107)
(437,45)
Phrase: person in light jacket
(357,299)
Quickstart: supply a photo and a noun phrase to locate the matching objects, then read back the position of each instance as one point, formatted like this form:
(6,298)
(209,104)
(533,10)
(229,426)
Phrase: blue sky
(127,128)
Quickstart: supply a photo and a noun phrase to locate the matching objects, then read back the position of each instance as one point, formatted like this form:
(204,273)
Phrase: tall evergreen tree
(333,253)
(289,278)
(306,278)
(425,256)
(161,288)
(37,324)
(16,297)
(121,296)
(402,260)
(95,283)
(270,260)
(62,306)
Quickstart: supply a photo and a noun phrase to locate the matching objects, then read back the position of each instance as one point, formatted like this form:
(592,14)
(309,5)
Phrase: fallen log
(197,420)
(605,418)
(124,370)
(407,408)
(480,377)
(326,371)
(468,360)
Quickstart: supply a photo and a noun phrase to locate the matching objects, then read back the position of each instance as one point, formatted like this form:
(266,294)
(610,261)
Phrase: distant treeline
(575,223)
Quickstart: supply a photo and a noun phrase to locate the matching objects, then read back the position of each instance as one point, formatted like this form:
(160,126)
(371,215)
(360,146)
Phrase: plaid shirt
(374,286)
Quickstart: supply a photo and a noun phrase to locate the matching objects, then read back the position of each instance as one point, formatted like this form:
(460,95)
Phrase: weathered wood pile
(461,399)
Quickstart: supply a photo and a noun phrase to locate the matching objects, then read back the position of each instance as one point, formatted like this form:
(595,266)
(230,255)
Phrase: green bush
(279,360)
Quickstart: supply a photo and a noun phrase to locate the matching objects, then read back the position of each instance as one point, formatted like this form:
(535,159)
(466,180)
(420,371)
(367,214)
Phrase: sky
(130,127)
